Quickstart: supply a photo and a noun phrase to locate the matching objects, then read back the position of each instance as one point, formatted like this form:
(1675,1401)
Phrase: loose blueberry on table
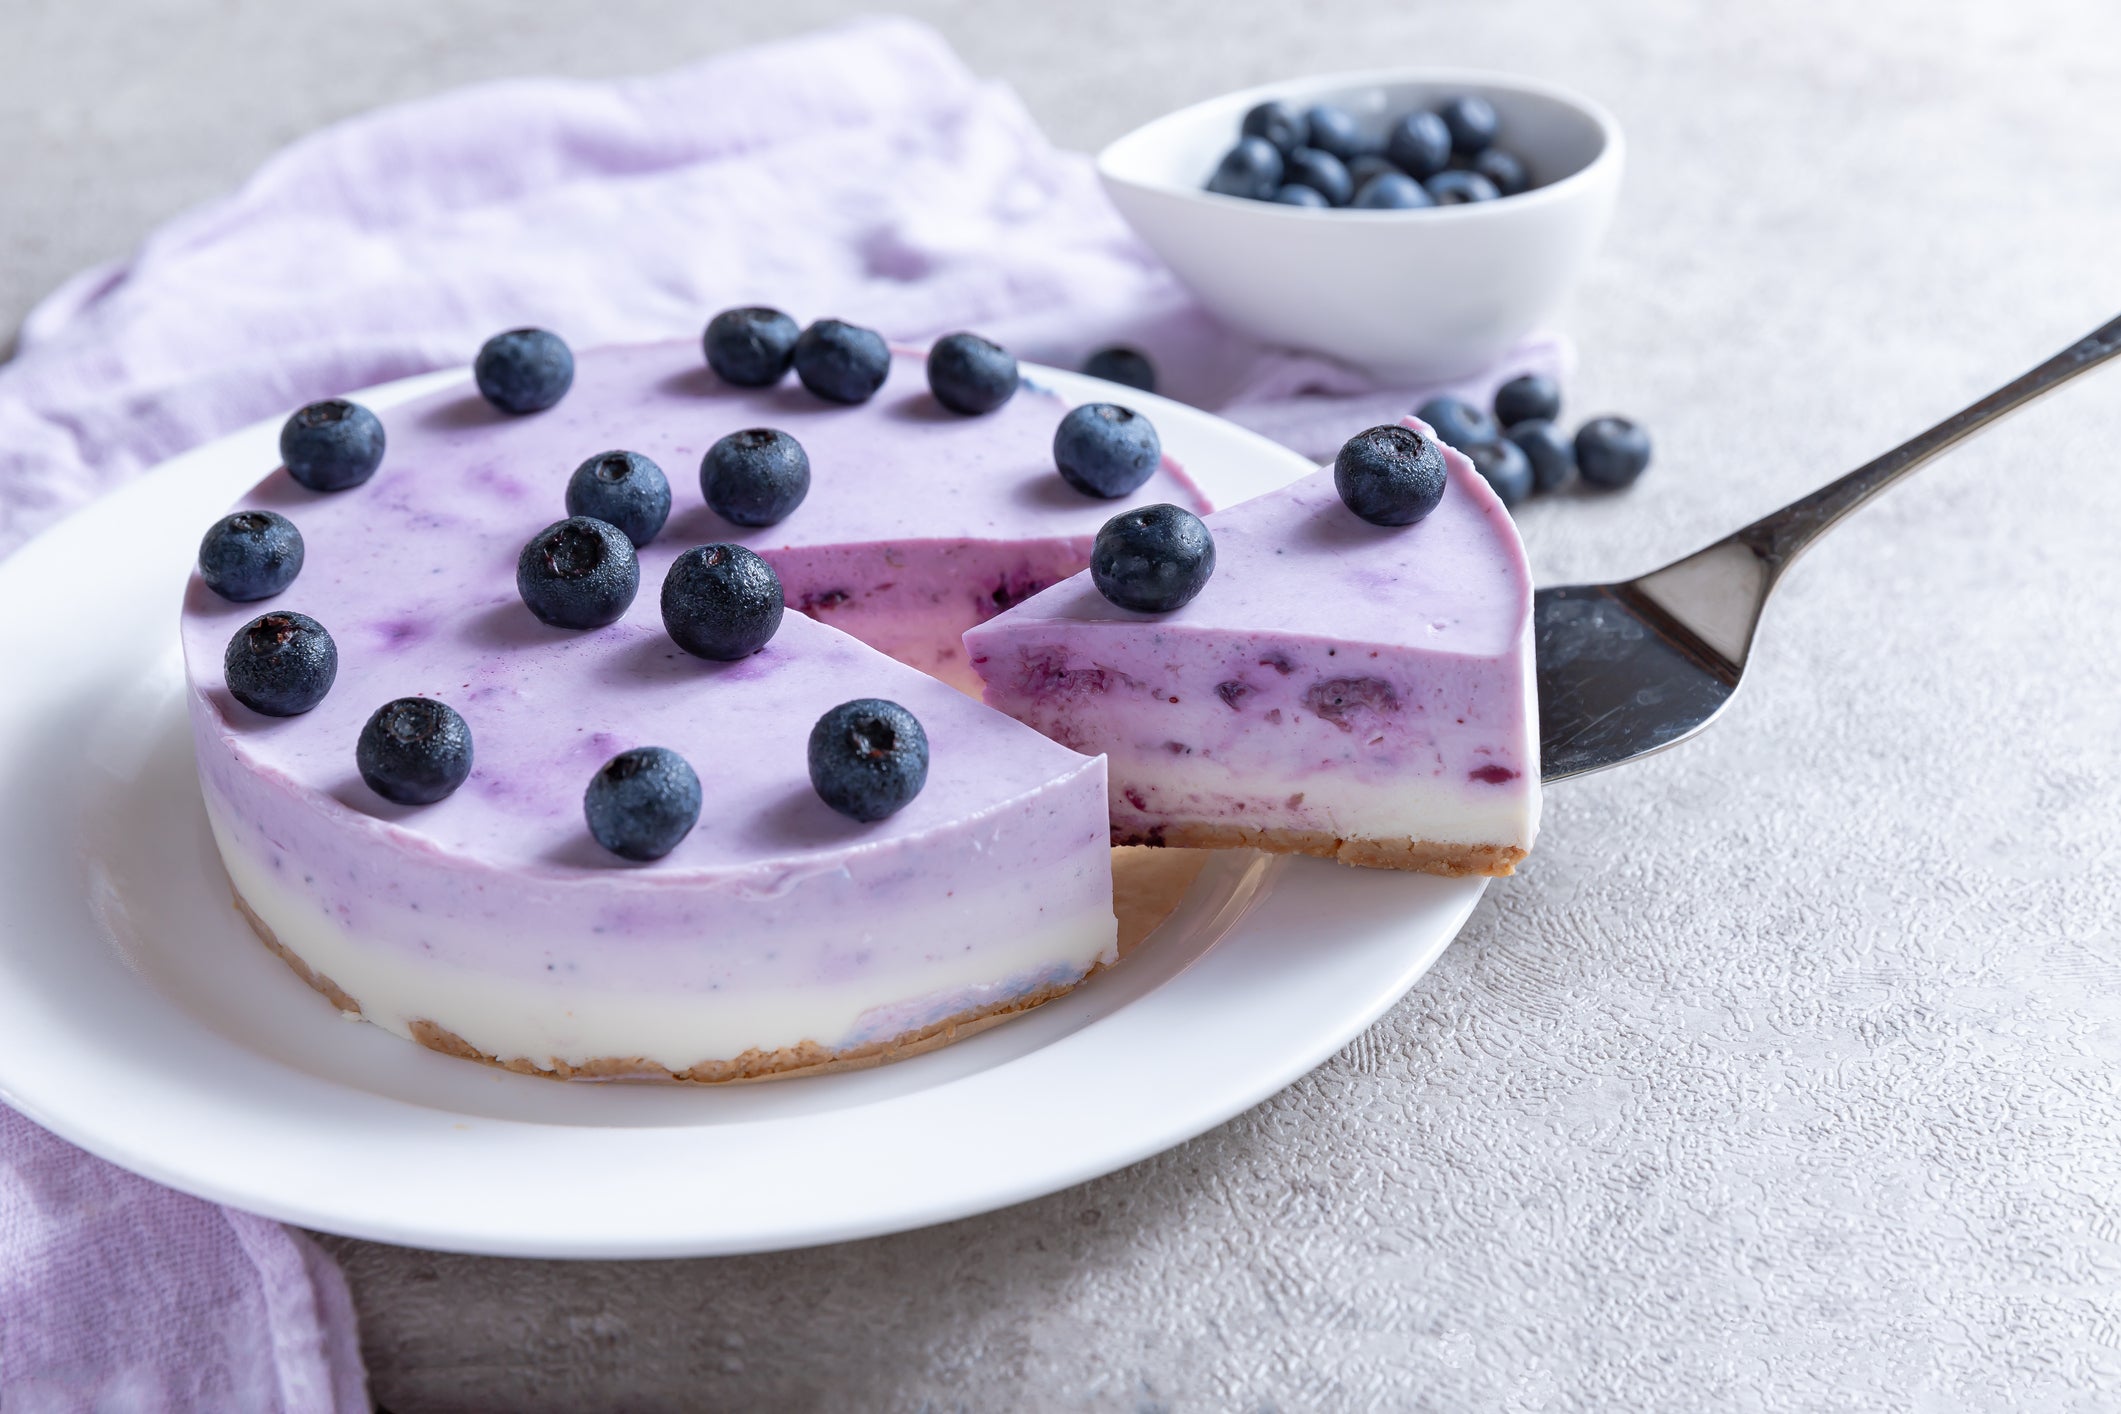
(755,477)
(414,751)
(524,370)
(642,802)
(1526,397)
(1611,451)
(842,362)
(1390,475)
(250,555)
(1152,559)
(721,602)
(1103,449)
(1120,364)
(578,573)
(1457,422)
(971,375)
(1452,149)
(624,489)
(751,347)
(280,664)
(1504,466)
(1553,456)
(868,758)
(332,445)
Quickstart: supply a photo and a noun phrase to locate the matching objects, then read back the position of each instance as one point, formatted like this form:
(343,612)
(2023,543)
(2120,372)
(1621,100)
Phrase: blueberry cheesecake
(538,755)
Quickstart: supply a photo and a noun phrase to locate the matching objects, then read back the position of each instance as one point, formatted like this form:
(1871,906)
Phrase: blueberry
(1278,123)
(1611,451)
(1420,144)
(1322,172)
(1392,191)
(842,362)
(1526,397)
(1504,170)
(1334,130)
(641,802)
(1293,194)
(750,347)
(1506,469)
(755,477)
(1457,423)
(721,602)
(578,573)
(1152,559)
(414,751)
(868,758)
(524,370)
(971,375)
(280,664)
(332,445)
(1454,188)
(1120,364)
(624,489)
(1103,449)
(1369,165)
(1390,475)
(250,555)
(1252,169)
(1552,456)
(1472,122)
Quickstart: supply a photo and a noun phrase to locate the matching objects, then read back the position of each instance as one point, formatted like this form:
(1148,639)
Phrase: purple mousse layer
(1333,675)
(919,524)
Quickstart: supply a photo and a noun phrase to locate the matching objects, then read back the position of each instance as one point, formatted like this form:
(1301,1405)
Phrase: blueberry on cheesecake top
(842,362)
(868,758)
(1390,475)
(578,573)
(721,602)
(1103,449)
(642,802)
(755,477)
(280,664)
(624,489)
(414,751)
(752,347)
(971,375)
(1153,559)
(250,555)
(524,370)
(332,445)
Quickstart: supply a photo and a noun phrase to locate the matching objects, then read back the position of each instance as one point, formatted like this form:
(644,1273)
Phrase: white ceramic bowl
(1428,294)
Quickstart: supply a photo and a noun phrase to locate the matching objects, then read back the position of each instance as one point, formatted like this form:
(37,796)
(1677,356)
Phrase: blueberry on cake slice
(1349,673)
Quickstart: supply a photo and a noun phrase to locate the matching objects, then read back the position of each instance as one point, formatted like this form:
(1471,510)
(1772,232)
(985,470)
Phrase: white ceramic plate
(141,1019)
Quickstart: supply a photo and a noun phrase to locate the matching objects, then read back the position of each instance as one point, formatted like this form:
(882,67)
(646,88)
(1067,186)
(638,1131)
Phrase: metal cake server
(1630,668)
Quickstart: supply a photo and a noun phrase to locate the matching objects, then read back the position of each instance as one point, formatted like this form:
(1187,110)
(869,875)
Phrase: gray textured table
(1785,1076)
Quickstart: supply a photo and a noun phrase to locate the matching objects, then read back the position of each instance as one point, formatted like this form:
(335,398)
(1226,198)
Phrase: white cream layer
(553,1022)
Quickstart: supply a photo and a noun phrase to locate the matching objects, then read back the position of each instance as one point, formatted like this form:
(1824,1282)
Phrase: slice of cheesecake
(1338,688)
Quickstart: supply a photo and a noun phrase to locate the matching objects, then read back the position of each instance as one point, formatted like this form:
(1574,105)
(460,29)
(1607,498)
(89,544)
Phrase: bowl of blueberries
(1415,223)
